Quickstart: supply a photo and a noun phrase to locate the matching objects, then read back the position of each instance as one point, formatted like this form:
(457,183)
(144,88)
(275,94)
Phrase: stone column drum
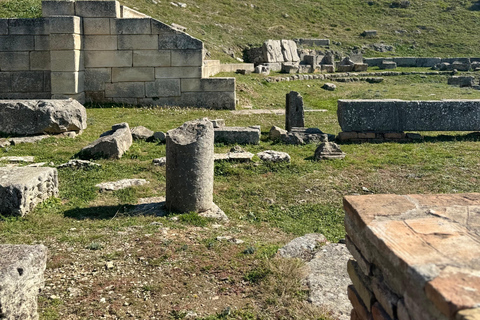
(294,116)
(190,156)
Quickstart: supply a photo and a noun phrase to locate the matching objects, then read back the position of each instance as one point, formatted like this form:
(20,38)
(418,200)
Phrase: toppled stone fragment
(31,139)
(141,133)
(329,86)
(300,136)
(218,123)
(276,132)
(121,184)
(30,117)
(21,279)
(111,144)
(294,116)
(274,156)
(159,136)
(18,159)
(161,162)
(303,247)
(328,150)
(22,188)
(238,135)
(79,164)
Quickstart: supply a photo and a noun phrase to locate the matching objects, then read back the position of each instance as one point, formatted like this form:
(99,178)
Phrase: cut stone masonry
(100,51)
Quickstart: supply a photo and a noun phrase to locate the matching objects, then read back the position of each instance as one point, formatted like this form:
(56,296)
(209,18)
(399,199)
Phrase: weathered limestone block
(294,116)
(22,188)
(276,132)
(466,81)
(388,65)
(300,136)
(27,117)
(328,150)
(239,135)
(111,144)
(274,156)
(21,278)
(121,184)
(142,133)
(190,163)
(272,51)
(399,115)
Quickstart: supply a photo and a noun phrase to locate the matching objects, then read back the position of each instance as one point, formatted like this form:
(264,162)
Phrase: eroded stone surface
(22,188)
(121,184)
(79,164)
(240,135)
(111,144)
(274,156)
(21,278)
(328,150)
(141,133)
(303,247)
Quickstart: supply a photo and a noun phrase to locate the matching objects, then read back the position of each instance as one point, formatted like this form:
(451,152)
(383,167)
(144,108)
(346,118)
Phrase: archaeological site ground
(268,159)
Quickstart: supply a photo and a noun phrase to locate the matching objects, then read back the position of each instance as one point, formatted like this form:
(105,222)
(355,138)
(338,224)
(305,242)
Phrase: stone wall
(213,67)
(415,256)
(416,61)
(100,51)
(399,115)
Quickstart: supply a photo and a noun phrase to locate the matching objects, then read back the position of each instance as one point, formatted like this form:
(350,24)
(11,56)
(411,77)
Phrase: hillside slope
(413,28)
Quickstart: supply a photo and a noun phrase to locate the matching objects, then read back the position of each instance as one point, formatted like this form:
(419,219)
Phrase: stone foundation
(353,136)
(415,256)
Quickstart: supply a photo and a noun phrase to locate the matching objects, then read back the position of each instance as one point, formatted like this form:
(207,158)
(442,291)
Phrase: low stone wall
(400,115)
(416,61)
(213,67)
(415,256)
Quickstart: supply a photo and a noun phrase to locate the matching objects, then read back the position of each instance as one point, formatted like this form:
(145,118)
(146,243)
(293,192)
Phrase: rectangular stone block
(67,60)
(47,80)
(58,8)
(67,82)
(95,78)
(97,9)
(17,43)
(65,25)
(163,88)
(21,279)
(151,58)
(209,100)
(12,61)
(96,26)
(5,82)
(42,43)
(22,188)
(125,90)
(187,58)
(34,26)
(428,62)
(40,60)
(131,13)
(3,26)
(137,42)
(361,283)
(240,135)
(209,84)
(100,42)
(178,40)
(398,115)
(131,26)
(99,59)
(59,41)
(133,74)
(178,72)
(357,255)
(28,81)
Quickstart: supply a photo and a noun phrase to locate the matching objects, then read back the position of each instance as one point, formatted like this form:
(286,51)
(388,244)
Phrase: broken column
(294,116)
(21,278)
(190,162)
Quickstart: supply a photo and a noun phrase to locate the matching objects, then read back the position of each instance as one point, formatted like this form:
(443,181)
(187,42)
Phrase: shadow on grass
(110,212)
(472,137)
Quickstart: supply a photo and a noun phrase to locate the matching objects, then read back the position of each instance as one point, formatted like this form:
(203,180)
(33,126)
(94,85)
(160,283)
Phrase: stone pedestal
(21,278)
(190,162)
(294,116)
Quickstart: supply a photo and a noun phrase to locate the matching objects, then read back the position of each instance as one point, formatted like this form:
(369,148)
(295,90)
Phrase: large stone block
(96,26)
(67,82)
(39,60)
(22,188)
(3,26)
(5,82)
(58,8)
(178,40)
(35,26)
(21,279)
(65,41)
(131,26)
(71,25)
(95,78)
(42,43)
(138,42)
(17,43)
(163,88)
(14,61)
(178,72)
(97,9)
(133,74)
(209,84)
(405,61)
(428,62)
(187,58)
(100,42)
(125,90)
(67,60)
(240,135)
(272,51)
(159,27)
(294,116)
(111,144)
(152,58)
(103,59)
(28,81)
(209,100)
(41,116)
(398,115)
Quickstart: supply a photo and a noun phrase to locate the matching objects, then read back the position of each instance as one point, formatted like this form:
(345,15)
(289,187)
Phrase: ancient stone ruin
(21,278)
(101,51)
(415,256)
(294,116)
